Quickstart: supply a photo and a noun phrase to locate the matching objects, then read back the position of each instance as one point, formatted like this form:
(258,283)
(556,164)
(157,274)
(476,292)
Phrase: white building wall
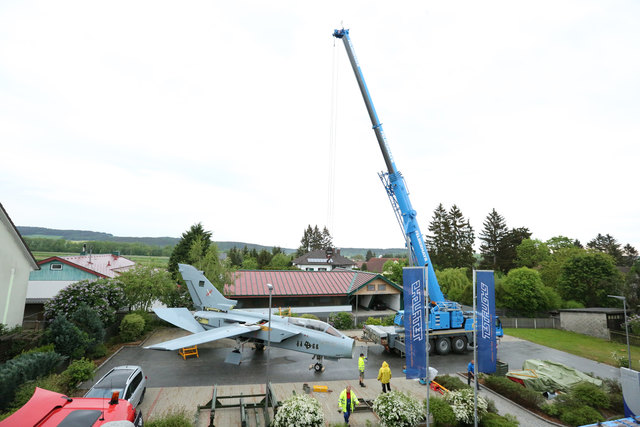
(15,267)
(594,324)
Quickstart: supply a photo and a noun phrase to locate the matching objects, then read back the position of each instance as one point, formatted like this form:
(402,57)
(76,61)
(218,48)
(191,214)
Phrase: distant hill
(84,235)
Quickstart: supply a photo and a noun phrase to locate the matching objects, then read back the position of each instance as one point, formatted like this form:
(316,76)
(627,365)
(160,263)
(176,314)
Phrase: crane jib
(396,188)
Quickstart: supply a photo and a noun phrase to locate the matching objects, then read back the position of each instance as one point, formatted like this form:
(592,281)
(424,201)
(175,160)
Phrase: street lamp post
(626,324)
(266,407)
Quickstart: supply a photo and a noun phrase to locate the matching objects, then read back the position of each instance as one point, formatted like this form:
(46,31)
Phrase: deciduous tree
(531,252)
(608,245)
(144,285)
(588,278)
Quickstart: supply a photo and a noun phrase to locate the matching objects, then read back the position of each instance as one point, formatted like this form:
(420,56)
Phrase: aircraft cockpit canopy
(314,324)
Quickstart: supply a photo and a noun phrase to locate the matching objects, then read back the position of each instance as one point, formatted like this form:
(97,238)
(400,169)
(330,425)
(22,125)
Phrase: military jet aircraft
(216,319)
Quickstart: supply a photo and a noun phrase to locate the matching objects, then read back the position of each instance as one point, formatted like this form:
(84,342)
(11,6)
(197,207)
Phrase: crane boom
(394,181)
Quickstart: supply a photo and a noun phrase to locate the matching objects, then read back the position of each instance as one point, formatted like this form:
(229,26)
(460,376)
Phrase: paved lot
(177,383)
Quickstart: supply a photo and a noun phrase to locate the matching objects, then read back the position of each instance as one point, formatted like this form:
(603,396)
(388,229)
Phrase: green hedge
(22,369)
(515,392)
(451,383)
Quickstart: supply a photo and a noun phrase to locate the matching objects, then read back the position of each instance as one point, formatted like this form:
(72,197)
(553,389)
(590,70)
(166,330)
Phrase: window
(56,266)
(201,283)
(371,287)
(322,269)
(382,287)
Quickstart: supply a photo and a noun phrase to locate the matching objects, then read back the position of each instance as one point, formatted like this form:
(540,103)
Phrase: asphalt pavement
(167,369)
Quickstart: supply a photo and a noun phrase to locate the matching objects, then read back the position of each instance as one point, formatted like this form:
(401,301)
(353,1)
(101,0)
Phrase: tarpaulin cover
(545,375)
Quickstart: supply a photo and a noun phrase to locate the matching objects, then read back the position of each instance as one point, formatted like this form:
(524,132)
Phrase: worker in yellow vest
(361,361)
(347,403)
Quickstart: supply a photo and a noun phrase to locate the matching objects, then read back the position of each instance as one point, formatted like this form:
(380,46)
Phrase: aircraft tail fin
(202,291)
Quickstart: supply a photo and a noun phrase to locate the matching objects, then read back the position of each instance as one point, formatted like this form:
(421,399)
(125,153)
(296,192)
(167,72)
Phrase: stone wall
(594,324)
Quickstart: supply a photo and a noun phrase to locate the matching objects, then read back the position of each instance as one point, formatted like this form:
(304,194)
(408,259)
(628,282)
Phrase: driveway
(168,369)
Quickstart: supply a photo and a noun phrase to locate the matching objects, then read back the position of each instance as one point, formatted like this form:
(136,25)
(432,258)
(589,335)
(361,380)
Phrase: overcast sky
(143,118)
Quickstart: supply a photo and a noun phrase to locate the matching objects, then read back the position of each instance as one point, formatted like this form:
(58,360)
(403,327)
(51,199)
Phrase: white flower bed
(299,411)
(397,409)
(461,402)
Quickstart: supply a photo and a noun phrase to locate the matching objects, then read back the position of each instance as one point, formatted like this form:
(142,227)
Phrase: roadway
(168,369)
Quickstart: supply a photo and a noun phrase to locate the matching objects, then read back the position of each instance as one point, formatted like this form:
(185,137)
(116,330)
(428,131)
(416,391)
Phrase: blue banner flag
(414,279)
(486,330)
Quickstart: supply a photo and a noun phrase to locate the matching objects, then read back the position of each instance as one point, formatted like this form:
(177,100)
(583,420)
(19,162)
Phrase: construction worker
(471,370)
(347,403)
(384,376)
(361,361)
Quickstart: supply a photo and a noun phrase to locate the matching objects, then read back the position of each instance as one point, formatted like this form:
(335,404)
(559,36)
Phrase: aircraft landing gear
(318,367)
(259,346)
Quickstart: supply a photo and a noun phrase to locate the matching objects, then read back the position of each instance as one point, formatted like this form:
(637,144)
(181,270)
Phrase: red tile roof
(249,283)
(105,265)
(376,264)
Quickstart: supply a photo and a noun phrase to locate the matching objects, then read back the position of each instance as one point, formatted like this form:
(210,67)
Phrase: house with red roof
(323,260)
(58,272)
(375,264)
(317,292)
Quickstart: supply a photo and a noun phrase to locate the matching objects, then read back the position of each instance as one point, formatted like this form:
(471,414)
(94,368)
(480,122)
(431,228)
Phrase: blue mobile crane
(448,324)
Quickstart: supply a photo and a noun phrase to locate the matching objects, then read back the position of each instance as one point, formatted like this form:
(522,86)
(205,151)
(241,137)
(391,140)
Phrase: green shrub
(442,413)
(98,351)
(131,327)
(580,416)
(171,419)
(590,394)
(42,349)
(551,409)
(573,304)
(309,316)
(25,391)
(397,409)
(67,338)
(24,368)
(342,320)
(149,319)
(78,371)
(373,321)
(515,392)
(491,419)
(388,320)
(451,383)
(87,321)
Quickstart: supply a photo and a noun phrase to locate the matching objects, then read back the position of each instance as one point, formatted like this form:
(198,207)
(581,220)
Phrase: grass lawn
(581,345)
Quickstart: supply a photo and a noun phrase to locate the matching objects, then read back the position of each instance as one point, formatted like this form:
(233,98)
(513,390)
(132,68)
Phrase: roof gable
(6,220)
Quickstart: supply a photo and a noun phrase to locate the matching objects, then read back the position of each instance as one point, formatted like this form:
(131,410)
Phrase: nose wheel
(318,367)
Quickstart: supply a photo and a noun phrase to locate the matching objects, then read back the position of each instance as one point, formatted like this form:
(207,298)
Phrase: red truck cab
(47,408)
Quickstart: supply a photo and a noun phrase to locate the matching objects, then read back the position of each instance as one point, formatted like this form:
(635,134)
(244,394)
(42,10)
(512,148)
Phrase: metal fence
(621,337)
(531,323)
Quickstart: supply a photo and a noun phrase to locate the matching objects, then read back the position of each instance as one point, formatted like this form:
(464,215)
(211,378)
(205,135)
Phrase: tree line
(43,244)
(532,276)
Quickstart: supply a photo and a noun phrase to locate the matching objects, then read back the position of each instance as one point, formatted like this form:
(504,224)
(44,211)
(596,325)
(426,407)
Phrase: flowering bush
(299,410)
(461,402)
(634,324)
(103,296)
(397,409)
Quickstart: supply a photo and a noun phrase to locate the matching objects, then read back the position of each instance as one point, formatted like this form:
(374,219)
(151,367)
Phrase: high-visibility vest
(361,364)
(343,401)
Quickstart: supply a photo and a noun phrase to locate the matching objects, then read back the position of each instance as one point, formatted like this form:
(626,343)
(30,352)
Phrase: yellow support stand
(189,351)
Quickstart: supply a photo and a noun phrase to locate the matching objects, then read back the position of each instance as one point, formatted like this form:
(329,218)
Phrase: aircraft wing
(204,337)
(181,317)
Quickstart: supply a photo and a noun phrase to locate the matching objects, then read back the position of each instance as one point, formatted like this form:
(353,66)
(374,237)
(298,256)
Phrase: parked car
(49,409)
(128,380)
